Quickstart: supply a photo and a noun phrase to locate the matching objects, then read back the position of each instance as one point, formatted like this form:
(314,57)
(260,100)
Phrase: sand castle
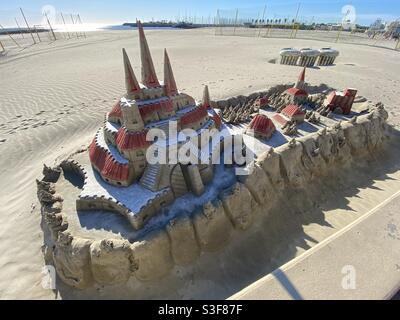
(117,177)
(118,151)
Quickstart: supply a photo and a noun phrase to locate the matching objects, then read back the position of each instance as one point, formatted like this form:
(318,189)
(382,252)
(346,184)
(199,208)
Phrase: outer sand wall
(275,182)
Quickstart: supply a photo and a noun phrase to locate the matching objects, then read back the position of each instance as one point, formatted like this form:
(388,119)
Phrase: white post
(10,36)
(19,28)
(30,31)
(80,21)
(2,47)
(234,28)
(72,18)
(65,25)
(263,17)
(295,19)
(51,28)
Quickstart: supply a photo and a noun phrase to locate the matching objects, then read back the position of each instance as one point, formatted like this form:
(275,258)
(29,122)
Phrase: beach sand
(53,97)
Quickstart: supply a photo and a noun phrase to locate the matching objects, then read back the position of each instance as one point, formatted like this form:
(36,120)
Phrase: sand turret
(300,81)
(169,80)
(206,97)
(131,83)
(149,77)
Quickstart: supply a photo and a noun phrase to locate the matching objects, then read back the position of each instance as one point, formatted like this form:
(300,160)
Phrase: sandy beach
(53,97)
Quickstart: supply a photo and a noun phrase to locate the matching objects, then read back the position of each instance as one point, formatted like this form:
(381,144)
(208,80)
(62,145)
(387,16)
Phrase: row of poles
(294,26)
(33,30)
(219,23)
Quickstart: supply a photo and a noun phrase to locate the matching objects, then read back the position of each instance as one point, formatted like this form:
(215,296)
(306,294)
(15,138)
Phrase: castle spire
(206,97)
(131,83)
(169,80)
(149,77)
(300,81)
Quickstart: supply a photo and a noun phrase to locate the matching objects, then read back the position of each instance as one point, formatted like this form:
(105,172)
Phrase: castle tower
(206,97)
(132,120)
(300,81)
(149,77)
(131,83)
(169,80)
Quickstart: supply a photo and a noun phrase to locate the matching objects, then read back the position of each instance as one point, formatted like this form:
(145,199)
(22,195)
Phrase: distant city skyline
(120,11)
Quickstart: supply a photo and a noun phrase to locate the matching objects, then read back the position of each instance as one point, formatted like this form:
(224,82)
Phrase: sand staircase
(164,126)
(151,177)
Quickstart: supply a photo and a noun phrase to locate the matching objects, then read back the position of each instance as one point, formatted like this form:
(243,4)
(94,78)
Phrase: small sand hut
(261,127)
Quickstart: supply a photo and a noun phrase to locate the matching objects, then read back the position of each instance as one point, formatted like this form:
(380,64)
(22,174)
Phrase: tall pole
(27,25)
(295,19)
(10,36)
(37,33)
(263,17)
(215,22)
(51,28)
(72,18)
(236,17)
(19,28)
(80,21)
(65,25)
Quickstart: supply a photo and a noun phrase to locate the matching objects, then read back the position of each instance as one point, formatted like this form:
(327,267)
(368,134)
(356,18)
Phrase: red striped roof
(261,102)
(215,117)
(116,111)
(165,105)
(281,120)
(262,124)
(292,110)
(127,140)
(107,166)
(193,116)
(296,92)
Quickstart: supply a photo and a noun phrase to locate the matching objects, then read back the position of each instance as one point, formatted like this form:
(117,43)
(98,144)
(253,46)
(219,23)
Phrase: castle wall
(272,184)
(194,179)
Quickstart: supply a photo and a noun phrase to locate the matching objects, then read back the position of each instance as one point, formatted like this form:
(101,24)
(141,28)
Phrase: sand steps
(151,177)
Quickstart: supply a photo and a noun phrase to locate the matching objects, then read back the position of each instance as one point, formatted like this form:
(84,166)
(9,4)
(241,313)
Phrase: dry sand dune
(53,97)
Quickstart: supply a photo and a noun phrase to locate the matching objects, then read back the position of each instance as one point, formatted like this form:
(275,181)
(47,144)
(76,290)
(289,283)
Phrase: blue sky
(118,11)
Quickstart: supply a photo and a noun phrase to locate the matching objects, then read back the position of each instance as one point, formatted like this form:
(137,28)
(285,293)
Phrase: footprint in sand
(3,140)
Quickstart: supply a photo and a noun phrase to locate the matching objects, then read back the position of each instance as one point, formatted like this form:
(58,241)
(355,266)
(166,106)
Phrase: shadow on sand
(274,239)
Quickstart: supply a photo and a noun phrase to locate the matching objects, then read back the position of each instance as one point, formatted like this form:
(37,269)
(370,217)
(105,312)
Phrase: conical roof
(169,80)
(131,83)
(149,77)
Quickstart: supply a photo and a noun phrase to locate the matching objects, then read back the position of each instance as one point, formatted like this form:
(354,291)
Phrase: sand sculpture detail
(120,180)
(118,151)
(308,57)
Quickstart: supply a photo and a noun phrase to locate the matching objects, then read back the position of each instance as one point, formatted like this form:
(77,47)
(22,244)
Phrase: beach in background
(53,97)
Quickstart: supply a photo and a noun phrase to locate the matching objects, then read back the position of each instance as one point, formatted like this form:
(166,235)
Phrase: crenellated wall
(280,175)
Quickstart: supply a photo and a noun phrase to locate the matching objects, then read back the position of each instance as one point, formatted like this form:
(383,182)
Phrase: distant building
(261,102)
(261,127)
(297,95)
(293,113)
(341,102)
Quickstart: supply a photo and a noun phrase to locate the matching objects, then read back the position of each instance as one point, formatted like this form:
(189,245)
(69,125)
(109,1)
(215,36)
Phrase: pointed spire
(300,81)
(149,77)
(206,97)
(302,75)
(131,83)
(169,80)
